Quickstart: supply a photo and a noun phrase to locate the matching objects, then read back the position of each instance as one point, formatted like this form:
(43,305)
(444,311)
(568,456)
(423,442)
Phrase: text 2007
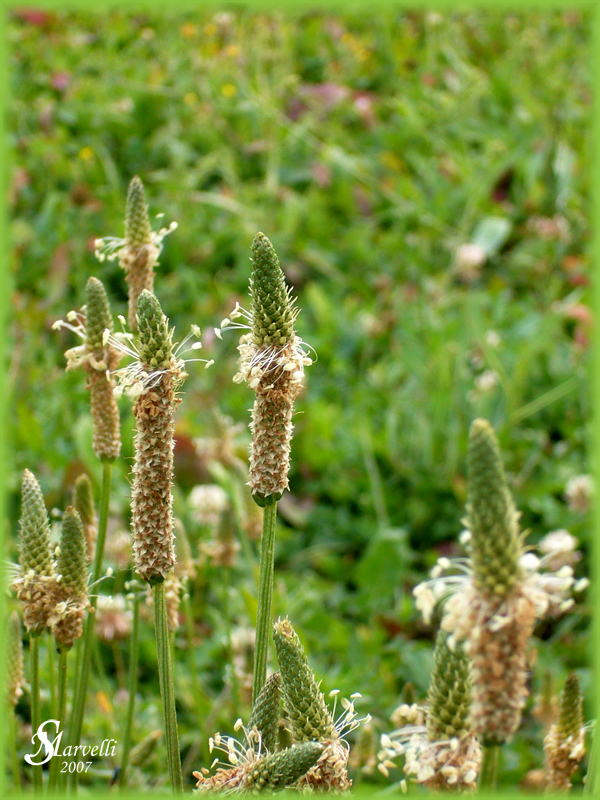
(76,766)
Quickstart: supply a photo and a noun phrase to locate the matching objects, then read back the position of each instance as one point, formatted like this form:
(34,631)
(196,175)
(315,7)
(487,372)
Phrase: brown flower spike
(272,362)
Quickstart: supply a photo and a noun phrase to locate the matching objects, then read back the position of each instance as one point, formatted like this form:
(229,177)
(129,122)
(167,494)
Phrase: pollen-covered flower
(138,252)
(493,598)
(564,745)
(272,361)
(308,715)
(99,358)
(440,750)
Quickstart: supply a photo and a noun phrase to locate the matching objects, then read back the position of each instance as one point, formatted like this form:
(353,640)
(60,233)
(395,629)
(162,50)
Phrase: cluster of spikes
(52,586)
(490,602)
(317,758)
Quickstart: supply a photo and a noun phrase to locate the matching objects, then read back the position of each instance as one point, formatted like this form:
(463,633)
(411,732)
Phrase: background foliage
(370,146)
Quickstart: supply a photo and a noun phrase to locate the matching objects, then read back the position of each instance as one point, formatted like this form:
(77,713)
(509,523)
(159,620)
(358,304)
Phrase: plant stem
(52,679)
(54,778)
(12,724)
(88,633)
(36,717)
(265,597)
(167,687)
(489,766)
(132,689)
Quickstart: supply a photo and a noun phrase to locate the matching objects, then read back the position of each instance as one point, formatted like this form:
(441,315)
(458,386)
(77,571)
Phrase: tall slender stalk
(12,734)
(167,687)
(265,597)
(488,774)
(52,679)
(54,778)
(88,633)
(36,716)
(132,689)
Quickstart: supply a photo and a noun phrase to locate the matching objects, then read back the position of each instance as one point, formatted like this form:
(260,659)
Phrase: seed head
(272,310)
(304,704)
(564,745)
(137,223)
(280,770)
(73,559)
(34,529)
(265,713)
(98,317)
(83,500)
(449,691)
(155,338)
(492,517)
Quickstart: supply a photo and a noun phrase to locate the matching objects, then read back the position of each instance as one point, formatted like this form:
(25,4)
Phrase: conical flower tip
(283,769)
(570,718)
(156,341)
(449,691)
(492,516)
(83,500)
(265,713)
(137,222)
(15,677)
(98,315)
(34,529)
(272,310)
(73,558)
(305,706)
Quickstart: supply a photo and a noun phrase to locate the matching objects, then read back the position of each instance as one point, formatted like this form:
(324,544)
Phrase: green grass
(368,147)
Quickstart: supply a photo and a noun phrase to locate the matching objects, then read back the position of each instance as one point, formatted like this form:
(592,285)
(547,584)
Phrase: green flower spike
(492,517)
(564,745)
(98,317)
(265,713)
(283,769)
(66,620)
(34,529)
(272,309)
(156,340)
(137,222)
(449,691)
(83,500)
(304,704)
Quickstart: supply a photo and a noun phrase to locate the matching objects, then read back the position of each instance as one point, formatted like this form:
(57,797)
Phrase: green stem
(52,679)
(167,687)
(54,778)
(36,717)
(132,689)
(12,724)
(265,597)
(88,632)
(489,766)
(589,787)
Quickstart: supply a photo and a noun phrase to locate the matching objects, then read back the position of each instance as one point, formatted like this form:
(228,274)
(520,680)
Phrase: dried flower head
(494,597)
(579,493)
(36,584)
(15,675)
(564,743)
(83,500)
(272,361)
(443,753)
(138,252)
(99,358)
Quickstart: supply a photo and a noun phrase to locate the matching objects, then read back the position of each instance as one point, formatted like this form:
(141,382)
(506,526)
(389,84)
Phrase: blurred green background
(424,177)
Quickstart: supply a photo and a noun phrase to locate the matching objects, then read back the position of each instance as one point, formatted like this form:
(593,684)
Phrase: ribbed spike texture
(570,718)
(73,558)
(15,676)
(98,316)
(34,529)
(142,751)
(137,221)
(564,745)
(283,769)
(304,704)
(272,312)
(265,713)
(492,516)
(83,500)
(151,498)
(156,341)
(449,691)
(139,255)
